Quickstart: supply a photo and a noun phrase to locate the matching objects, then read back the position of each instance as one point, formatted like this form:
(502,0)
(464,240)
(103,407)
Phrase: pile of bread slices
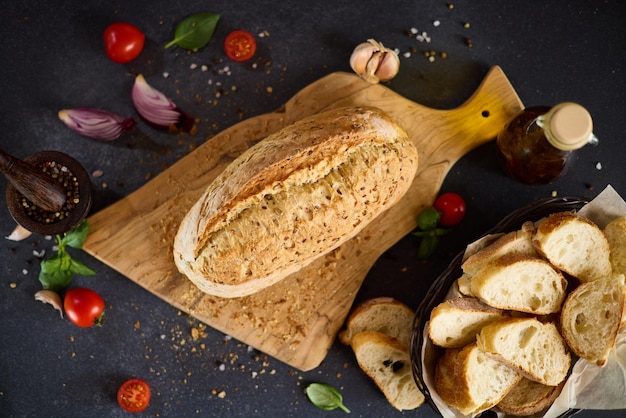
(530,302)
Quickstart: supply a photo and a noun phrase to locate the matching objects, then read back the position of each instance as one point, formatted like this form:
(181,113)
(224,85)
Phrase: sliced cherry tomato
(452,208)
(134,395)
(84,307)
(123,42)
(240,45)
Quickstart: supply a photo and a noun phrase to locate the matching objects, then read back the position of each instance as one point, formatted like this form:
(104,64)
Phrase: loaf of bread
(382,314)
(591,317)
(293,197)
(520,283)
(455,322)
(471,381)
(615,233)
(575,245)
(528,397)
(535,349)
(388,363)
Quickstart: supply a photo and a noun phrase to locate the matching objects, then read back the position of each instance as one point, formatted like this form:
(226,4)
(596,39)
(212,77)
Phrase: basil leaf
(325,397)
(77,267)
(427,247)
(195,31)
(77,236)
(55,279)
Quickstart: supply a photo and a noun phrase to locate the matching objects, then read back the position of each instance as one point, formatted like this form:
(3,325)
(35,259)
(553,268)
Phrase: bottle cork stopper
(569,126)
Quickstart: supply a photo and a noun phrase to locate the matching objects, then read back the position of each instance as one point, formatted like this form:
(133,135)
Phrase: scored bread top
(292,198)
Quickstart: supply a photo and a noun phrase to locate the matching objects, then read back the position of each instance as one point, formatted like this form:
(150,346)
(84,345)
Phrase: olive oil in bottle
(536,146)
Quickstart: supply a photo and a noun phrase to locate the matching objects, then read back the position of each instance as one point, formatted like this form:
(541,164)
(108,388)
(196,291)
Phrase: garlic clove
(373,62)
(388,66)
(51,297)
(19,233)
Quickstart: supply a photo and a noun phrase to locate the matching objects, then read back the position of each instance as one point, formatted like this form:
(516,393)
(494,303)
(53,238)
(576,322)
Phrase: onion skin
(157,109)
(50,297)
(96,123)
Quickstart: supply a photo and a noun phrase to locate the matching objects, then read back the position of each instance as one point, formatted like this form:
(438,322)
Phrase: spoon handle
(32,183)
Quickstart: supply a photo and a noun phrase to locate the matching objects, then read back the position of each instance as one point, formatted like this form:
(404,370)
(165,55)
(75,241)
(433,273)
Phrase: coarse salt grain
(166,74)
(222,367)
(204,68)
(24,272)
(598,166)
(193,66)
(406,54)
(413,31)
(436,23)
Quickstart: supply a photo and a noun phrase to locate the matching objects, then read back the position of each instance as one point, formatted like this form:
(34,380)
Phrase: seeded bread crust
(293,197)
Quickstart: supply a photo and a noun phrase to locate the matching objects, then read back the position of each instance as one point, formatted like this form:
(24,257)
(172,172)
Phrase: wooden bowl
(72,216)
(441,286)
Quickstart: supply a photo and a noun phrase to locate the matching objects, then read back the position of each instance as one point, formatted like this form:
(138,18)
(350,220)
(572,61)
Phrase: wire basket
(437,292)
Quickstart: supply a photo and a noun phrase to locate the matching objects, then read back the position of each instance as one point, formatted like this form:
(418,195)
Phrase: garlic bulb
(373,62)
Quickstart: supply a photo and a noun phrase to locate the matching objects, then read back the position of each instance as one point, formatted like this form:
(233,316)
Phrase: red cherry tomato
(452,208)
(240,45)
(123,42)
(134,395)
(84,307)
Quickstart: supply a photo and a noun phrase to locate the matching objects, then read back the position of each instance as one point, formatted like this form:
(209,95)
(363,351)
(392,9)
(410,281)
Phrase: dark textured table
(53,59)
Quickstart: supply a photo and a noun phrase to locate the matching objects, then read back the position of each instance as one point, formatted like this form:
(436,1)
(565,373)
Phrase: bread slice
(615,233)
(292,198)
(516,242)
(535,349)
(529,397)
(388,363)
(455,322)
(521,283)
(471,381)
(382,314)
(591,317)
(575,245)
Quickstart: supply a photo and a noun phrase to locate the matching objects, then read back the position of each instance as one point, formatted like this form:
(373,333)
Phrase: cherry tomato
(240,45)
(452,208)
(123,42)
(134,395)
(84,307)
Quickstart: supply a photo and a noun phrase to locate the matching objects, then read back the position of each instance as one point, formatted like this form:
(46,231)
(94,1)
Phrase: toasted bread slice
(388,363)
(521,283)
(455,322)
(591,317)
(535,349)
(471,381)
(382,314)
(575,245)
(529,397)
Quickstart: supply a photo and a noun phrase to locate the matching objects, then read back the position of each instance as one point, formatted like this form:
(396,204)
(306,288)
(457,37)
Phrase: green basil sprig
(57,271)
(195,31)
(325,397)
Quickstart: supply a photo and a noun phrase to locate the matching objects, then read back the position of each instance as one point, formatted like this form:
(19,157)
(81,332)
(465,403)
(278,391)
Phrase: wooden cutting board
(297,319)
